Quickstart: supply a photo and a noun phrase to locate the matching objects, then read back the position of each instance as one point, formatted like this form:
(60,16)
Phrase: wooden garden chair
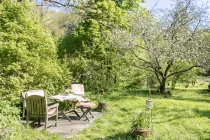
(31,92)
(78,89)
(37,107)
(85,105)
(86,108)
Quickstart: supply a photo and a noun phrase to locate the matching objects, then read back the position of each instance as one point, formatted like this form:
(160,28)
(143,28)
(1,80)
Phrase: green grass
(183,116)
(20,132)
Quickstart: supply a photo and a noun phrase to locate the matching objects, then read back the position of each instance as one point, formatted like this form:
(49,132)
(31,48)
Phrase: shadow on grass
(162,110)
(132,93)
(124,109)
(206,132)
(179,115)
(127,136)
(202,113)
(122,136)
(193,100)
(203,93)
(196,91)
(154,94)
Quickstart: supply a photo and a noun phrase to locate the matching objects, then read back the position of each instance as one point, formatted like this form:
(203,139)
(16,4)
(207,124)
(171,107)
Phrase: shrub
(8,114)
(28,53)
(28,58)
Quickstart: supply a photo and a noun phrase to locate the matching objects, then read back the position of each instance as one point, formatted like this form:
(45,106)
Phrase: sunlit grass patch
(185,115)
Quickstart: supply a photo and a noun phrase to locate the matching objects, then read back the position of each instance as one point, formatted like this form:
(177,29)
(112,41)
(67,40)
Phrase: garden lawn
(183,116)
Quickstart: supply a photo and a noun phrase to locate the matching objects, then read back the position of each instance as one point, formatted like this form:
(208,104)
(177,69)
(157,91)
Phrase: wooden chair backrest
(39,92)
(31,92)
(78,89)
(36,103)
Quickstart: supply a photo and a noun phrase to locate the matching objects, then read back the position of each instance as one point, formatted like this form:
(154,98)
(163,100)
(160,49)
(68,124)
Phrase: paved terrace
(66,128)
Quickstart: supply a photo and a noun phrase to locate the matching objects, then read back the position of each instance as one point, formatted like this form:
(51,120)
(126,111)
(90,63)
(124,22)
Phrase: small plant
(101,101)
(100,97)
(141,126)
(141,122)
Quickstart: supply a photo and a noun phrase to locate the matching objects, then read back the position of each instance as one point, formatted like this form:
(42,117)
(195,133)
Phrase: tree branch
(170,63)
(141,58)
(184,70)
(158,77)
(62,4)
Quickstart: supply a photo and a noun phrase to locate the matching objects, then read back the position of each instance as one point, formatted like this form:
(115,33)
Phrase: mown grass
(183,116)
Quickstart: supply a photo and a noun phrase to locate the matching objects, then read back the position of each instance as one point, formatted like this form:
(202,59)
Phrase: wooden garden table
(70,103)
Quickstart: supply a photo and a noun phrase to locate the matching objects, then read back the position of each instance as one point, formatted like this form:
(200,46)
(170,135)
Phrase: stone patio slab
(66,128)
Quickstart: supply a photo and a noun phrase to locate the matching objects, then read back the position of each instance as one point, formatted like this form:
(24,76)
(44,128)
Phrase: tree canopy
(124,4)
(173,40)
(91,43)
(28,52)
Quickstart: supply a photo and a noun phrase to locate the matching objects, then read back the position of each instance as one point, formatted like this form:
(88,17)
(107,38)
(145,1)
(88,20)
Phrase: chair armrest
(52,105)
(82,95)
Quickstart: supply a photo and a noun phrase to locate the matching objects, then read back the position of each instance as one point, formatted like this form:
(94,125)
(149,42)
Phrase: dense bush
(94,60)
(28,57)
(28,53)
(8,114)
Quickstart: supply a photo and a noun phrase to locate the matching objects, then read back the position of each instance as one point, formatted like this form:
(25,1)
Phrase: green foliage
(57,22)
(94,31)
(28,57)
(8,114)
(132,77)
(101,96)
(187,77)
(151,40)
(93,59)
(28,53)
(128,4)
(140,122)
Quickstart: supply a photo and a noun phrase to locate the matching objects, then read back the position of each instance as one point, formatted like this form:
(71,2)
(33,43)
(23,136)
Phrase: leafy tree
(58,22)
(28,53)
(187,78)
(90,45)
(206,38)
(160,45)
(128,4)
(124,4)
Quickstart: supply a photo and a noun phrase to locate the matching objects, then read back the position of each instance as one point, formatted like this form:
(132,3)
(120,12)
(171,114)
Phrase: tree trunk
(115,79)
(173,84)
(163,86)
(174,81)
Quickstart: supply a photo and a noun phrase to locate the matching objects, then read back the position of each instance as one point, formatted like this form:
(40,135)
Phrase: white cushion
(78,89)
(35,92)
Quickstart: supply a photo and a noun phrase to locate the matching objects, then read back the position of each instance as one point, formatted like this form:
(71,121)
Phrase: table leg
(68,106)
(64,114)
(75,112)
(72,106)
